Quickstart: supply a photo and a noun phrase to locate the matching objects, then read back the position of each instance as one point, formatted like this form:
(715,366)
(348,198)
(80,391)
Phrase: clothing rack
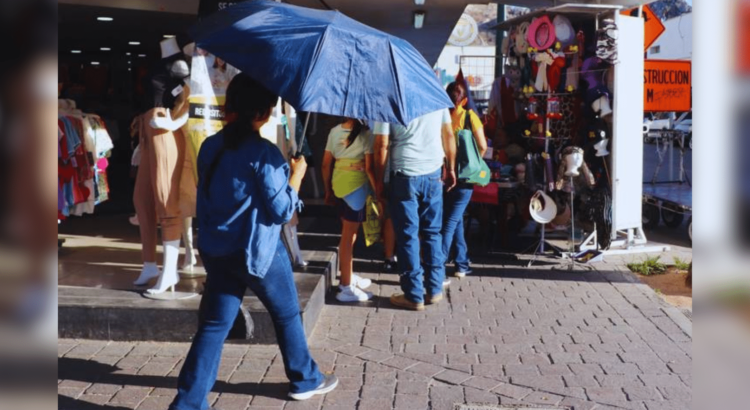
(83,148)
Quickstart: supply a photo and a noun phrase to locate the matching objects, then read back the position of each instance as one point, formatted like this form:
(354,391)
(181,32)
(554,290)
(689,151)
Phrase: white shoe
(134,220)
(353,294)
(360,282)
(169,276)
(446,282)
(149,271)
(328,385)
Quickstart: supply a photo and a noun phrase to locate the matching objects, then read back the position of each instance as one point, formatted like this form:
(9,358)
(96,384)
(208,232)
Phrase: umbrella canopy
(323,61)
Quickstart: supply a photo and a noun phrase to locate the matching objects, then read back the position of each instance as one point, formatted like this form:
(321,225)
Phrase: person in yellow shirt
(348,175)
(456,200)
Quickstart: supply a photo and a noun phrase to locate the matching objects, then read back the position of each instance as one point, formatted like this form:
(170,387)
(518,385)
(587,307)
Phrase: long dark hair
(456,91)
(248,101)
(357,129)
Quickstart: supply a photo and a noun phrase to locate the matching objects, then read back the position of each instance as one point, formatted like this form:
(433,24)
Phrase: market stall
(565,119)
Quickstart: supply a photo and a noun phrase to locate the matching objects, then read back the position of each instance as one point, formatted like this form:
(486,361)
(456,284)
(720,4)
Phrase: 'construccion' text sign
(667,85)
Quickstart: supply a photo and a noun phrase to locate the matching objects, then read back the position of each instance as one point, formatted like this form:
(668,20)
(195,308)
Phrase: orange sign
(666,85)
(652,25)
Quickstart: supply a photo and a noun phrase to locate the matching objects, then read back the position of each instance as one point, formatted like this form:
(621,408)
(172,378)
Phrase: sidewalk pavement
(589,338)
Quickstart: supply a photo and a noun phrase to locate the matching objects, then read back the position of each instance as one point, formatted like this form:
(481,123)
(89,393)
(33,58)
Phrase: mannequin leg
(143,200)
(170,277)
(187,238)
(168,157)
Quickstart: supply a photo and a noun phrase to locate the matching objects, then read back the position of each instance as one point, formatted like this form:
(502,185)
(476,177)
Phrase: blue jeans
(225,287)
(417,209)
(456,202)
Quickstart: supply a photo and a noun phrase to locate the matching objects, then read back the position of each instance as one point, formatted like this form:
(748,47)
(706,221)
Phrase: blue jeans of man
(455,203)
(225,287)
(417,209)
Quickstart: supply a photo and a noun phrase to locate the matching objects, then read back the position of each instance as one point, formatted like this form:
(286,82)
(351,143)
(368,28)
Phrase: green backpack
(471,166)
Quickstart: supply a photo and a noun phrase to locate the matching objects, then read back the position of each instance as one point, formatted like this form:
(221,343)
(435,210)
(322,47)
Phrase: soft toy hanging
(543,60)
(554,70)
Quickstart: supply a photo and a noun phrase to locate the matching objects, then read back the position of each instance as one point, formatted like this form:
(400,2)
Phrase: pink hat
(541,34)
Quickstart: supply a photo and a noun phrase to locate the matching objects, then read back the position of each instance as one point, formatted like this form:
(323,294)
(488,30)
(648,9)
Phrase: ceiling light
(419,19)
(104,18)
(169,36)
(105,49)
(75,51)
(129,69)
(128,53)
(419,2)
(141,55)
(94,63)
(129,62)
(134,43)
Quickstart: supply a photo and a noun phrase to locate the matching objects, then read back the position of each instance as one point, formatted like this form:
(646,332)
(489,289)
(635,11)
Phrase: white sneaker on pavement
(352,293)
(360,282)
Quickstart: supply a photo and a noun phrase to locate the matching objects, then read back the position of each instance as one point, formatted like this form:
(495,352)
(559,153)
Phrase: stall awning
(567,9)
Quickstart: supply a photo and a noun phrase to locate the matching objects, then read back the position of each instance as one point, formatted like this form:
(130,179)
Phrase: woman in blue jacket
(245,193)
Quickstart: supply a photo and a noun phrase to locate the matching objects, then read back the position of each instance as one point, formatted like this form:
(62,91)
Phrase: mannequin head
(573,159)
(168,78)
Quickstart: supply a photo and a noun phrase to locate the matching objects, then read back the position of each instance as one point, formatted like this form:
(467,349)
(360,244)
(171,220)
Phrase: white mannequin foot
(149,271)
(189,261)
(169,276)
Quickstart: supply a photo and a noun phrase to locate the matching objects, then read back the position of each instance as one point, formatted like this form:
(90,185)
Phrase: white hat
(169,47)
(601,148)
(601,106)
(542,208)
(564,30)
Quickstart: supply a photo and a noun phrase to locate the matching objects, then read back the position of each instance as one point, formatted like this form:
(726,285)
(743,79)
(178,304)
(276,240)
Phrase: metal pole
(304,135)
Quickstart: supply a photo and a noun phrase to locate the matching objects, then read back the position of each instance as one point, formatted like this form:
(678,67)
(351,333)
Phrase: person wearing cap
(417,153)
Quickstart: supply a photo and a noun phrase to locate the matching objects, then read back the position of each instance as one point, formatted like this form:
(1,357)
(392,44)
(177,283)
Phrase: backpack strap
(467,121)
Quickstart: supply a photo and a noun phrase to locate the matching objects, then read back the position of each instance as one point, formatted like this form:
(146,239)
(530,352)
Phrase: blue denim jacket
(248,200)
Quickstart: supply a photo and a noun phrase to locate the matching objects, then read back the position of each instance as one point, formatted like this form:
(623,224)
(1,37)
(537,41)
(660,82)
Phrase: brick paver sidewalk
(584,339)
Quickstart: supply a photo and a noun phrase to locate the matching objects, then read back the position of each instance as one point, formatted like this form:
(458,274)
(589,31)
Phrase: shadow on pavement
(93,372)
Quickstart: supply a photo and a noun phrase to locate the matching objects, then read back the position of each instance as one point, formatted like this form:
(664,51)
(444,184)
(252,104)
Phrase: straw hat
(169,47)
(541,34)
(542,208)
(521,44)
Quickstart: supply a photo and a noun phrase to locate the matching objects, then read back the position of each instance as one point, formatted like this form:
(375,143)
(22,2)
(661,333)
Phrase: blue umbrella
(323,61)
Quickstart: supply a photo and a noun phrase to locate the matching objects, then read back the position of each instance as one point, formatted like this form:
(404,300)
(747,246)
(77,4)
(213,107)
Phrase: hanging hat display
(564,30)
(541,34)
(522,44)
(542,208)
(606,42)
(169,47)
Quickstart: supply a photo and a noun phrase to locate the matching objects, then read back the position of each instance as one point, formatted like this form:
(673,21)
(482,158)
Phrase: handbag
(471,167)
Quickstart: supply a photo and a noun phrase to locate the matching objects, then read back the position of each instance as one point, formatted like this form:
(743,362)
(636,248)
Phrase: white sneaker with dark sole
(329,383)
(360,282)
(463,274)
(352,293)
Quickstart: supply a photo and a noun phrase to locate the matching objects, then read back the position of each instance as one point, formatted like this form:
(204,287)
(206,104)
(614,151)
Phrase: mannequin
(573,165)
(157,191)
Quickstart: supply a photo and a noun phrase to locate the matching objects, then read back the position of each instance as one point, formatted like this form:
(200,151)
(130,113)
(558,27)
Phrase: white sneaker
(360,282)
(352,294)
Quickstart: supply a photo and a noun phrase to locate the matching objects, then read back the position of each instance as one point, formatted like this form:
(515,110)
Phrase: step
(87,312)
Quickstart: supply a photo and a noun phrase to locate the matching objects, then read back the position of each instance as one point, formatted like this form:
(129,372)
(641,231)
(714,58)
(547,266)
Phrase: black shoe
(390,266)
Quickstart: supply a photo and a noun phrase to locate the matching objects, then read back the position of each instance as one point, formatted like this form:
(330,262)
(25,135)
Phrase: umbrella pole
(304,134)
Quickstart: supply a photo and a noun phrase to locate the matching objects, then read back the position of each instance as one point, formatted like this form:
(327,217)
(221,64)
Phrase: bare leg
(348,237)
